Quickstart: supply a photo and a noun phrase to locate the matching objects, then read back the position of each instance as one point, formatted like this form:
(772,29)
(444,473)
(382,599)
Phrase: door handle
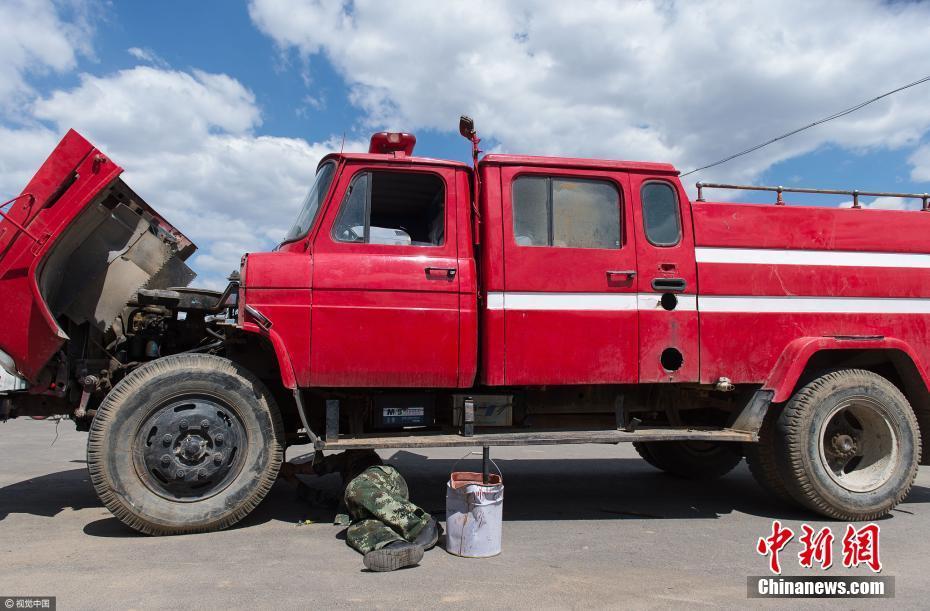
(440,273)
(669,285)
(612,273)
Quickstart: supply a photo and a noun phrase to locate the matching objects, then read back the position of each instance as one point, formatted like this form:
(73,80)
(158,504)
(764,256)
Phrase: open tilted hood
(77,244)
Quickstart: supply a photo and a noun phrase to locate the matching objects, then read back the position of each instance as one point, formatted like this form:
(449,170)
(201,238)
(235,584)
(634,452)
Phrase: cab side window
(394,208)
(661,220)
(565,212)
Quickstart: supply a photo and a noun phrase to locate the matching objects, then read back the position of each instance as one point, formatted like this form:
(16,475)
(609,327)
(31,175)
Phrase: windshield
(308,211)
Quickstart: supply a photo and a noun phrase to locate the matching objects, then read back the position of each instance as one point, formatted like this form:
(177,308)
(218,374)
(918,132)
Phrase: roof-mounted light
(392,142)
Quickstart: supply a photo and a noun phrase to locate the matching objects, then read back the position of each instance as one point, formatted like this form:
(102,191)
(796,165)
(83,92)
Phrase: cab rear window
(661,221)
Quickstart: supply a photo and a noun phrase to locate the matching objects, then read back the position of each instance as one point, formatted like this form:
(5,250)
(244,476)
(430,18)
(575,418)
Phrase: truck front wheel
(847,445)
(690,459)
(187,443)
(760,458)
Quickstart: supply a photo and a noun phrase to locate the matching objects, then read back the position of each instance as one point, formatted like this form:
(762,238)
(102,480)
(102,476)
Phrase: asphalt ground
(584,527)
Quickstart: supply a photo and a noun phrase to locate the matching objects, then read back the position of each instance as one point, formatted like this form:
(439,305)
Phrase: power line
(841,113)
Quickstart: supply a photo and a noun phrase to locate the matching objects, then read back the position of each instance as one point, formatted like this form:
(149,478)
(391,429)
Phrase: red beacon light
(392,142)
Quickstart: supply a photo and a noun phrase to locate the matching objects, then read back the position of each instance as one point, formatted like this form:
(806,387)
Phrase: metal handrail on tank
(923,197)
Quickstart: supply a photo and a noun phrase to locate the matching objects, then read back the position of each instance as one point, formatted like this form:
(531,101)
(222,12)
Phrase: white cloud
(148,56)
(886,203)
(311,103)
(34,39)
(134,108)
(187,142)
(232,194)
(21,155)
(681,82)
(920,160)
(686,82)
(187,139)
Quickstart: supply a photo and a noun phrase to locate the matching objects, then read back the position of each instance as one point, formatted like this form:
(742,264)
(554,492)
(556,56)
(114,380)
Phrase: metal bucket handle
(499,472)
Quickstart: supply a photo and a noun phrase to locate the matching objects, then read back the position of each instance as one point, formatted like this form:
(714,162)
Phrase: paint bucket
(474,514)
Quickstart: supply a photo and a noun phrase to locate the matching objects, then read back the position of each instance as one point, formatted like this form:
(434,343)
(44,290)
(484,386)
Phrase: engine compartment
(115,282)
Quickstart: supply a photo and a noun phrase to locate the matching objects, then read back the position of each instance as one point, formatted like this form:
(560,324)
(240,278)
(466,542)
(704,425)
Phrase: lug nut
(179,474)
(166,460)
(218,459)
(183,425)
(218,440)
(167,439)
(204,424)
(202,474)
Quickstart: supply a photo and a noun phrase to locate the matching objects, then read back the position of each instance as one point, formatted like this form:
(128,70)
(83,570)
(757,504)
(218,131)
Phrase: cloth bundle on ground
(384,525)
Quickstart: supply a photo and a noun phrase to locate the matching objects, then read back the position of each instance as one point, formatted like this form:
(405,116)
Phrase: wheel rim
(189,448)
(858,445)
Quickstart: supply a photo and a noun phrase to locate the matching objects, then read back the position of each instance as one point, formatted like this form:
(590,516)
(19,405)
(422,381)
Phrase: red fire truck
(418,302)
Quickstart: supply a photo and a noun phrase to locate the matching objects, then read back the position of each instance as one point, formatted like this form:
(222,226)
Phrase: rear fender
(794,359)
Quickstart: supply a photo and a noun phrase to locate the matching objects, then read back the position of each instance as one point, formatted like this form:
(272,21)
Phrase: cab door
(385,307)
(668,318)
(569,297)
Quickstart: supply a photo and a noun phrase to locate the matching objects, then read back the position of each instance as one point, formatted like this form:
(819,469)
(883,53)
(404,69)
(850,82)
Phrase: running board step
(536,438)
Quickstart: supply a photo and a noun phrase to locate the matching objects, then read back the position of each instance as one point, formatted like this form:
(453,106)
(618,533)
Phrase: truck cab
(567,249)
(390,275)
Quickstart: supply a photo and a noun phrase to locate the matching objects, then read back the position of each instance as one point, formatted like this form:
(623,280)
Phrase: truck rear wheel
(187,443)
(690,459)
(847,445)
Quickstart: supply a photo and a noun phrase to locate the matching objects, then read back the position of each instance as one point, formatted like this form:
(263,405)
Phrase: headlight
(9,378)
(7,362)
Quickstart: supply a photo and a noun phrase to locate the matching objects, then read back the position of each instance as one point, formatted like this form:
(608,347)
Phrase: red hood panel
(75,176)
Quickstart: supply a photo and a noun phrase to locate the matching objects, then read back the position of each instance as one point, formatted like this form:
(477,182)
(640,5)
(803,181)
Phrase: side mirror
(466,127)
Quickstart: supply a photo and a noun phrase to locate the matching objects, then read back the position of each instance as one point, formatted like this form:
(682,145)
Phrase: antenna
(343,145)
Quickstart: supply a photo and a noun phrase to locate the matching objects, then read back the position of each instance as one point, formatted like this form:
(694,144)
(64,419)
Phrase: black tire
(760,457)
(184,444)
(643,450)
(690,459)
(847,445)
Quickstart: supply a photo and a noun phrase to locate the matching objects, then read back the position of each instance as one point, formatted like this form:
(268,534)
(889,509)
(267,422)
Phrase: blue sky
(219,111)
(219,36)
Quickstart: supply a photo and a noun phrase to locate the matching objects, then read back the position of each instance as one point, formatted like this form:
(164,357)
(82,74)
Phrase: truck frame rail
(525,438)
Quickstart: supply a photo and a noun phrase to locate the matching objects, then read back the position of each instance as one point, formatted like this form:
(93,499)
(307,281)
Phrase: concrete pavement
(585,526)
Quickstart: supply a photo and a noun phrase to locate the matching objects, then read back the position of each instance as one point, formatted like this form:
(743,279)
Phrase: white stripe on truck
(605,302)
(819,305)
(601,302)
(827,258)
(562,301)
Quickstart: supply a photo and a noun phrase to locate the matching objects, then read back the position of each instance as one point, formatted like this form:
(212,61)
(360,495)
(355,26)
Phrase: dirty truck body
(420,302)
